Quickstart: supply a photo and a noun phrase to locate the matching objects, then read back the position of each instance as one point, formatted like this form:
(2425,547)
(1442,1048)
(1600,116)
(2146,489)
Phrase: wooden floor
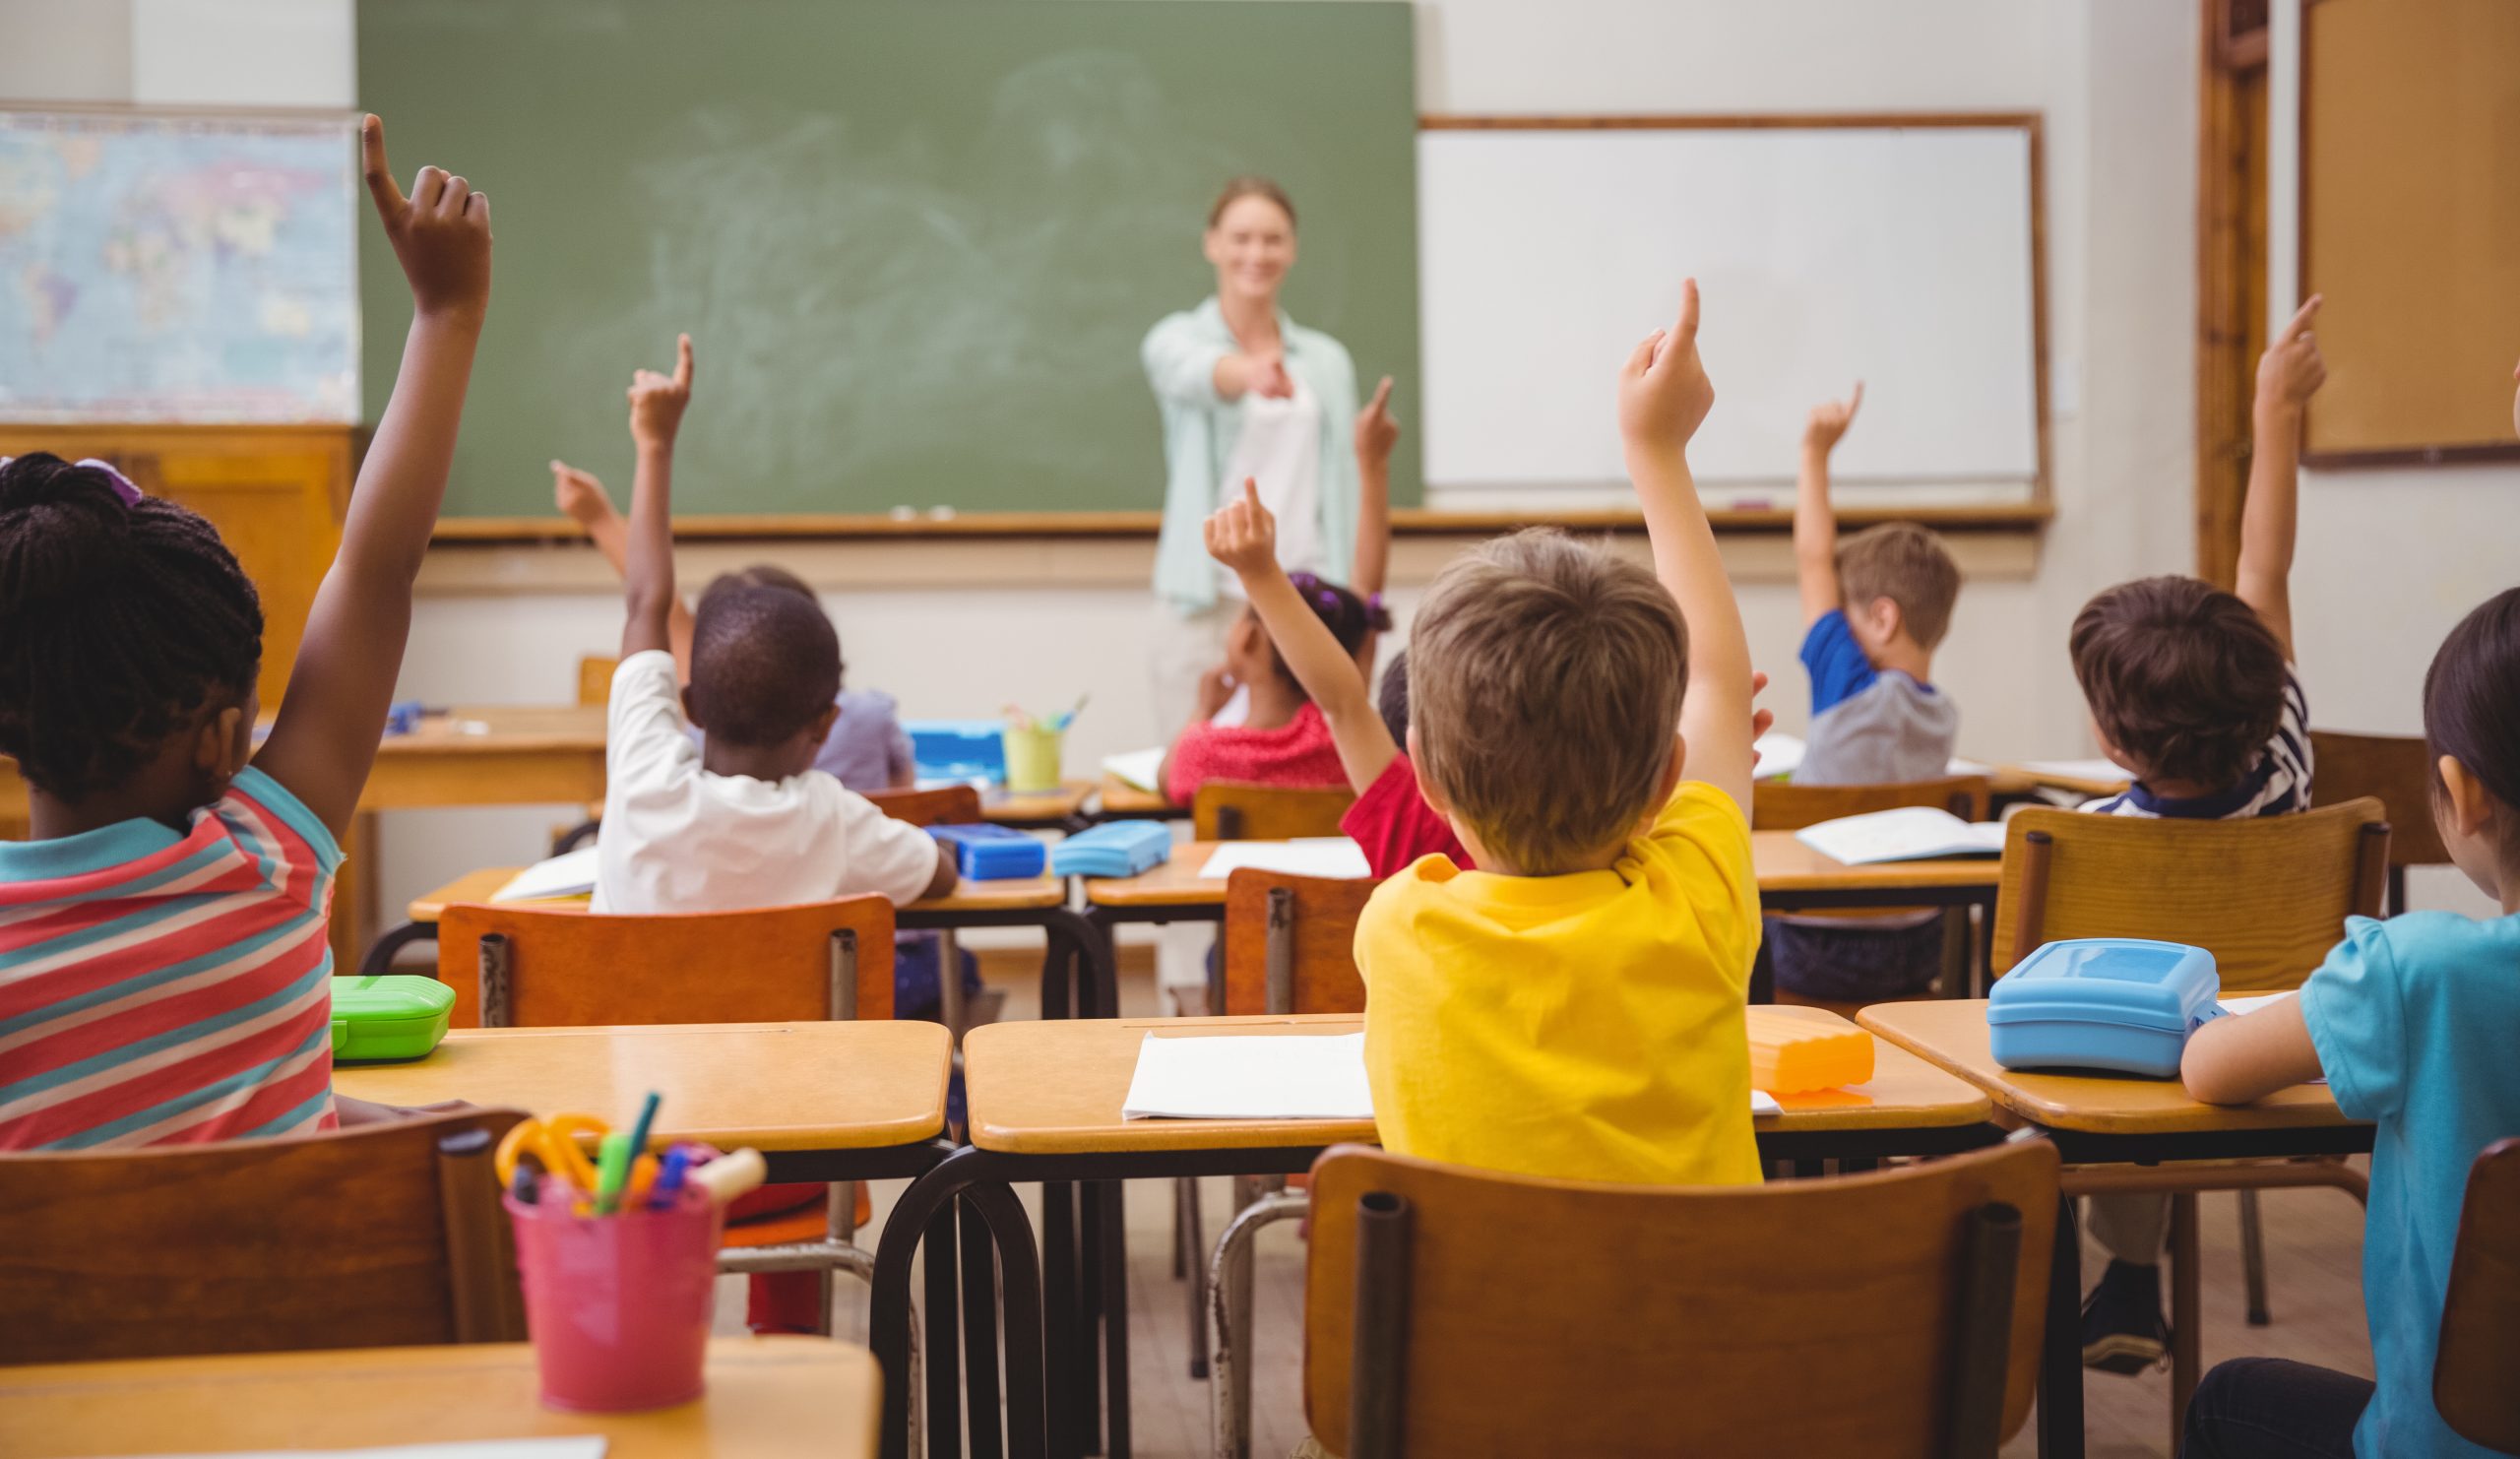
(2313,1243)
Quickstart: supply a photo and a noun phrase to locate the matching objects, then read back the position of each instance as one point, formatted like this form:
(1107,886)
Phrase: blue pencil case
(1114,848)
(985,852)
(2117,1003)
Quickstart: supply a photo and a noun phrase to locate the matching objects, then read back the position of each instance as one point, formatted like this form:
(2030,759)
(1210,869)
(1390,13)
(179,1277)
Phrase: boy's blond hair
(1544,681)
(1906,564)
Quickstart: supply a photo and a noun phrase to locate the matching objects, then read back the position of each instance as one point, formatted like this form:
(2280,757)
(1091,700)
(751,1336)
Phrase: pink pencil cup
(617,1305)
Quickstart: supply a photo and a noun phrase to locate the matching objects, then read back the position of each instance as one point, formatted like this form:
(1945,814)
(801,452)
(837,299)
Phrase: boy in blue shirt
(1873,609)
(2411,1021)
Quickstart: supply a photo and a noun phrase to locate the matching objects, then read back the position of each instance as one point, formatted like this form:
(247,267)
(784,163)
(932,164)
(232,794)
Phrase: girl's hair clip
(122,485)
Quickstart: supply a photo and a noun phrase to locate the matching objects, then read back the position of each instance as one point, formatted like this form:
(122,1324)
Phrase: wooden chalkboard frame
(2018,518)
(2451,454)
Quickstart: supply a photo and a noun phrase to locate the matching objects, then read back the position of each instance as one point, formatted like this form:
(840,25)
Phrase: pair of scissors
(554,1142)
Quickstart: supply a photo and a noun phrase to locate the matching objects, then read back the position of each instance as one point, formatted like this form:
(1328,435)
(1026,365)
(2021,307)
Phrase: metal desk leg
(1087,1335)
(979,1335)
(1058,1303)
(944,1312)
(2060,1357)
(1115,1318)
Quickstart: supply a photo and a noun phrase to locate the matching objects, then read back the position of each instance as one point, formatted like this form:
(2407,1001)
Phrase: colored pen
(646,1123)
(671,1172)
(611,1170)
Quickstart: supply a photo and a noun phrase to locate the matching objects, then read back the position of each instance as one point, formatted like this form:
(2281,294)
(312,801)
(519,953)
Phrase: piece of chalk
(731,1175)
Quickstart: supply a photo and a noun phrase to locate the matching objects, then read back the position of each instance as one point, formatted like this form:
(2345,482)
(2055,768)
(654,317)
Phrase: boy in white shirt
(745,821)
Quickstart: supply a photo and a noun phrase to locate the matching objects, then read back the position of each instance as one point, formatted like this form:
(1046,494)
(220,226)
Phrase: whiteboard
(1898,256)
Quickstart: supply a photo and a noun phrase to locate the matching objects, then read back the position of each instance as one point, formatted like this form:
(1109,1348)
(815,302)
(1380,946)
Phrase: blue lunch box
(2119,1003)
(985,852)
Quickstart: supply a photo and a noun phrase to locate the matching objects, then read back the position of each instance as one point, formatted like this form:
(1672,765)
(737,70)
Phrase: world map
(184,269)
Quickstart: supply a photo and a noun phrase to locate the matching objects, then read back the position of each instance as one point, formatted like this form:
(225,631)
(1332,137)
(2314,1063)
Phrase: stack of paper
(1780,755)
(1912,833)
(1139,768)
(1310,855)
(1290,1076)
(572,876)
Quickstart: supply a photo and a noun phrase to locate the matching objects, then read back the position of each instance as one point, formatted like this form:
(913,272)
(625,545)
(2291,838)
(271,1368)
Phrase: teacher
(1244,391)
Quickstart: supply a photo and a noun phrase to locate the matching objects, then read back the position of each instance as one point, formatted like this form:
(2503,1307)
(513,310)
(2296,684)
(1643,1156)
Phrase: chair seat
(786,1228)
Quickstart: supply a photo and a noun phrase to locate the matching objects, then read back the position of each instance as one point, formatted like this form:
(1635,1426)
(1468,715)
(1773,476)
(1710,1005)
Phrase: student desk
(768,1397)
(1118,800)
(1044,1105)
(1079,970)
(1062,809)
(2106,1119)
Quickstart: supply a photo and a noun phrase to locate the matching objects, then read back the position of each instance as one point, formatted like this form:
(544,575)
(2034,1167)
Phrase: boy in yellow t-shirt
(1574,1007)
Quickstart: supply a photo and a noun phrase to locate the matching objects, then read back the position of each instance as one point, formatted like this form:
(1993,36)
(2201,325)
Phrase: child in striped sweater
(164,955)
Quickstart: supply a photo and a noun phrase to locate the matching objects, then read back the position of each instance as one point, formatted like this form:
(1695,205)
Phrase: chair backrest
(2268,897)
(1867,1315)
(595,679)
(382,1236)
(1238,810)
(1290,943)
(945,805)
(2394,769)
(2480,1317)
(527,967)
(1782,805)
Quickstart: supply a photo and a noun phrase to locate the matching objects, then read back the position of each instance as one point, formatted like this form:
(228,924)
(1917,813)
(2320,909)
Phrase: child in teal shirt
(2413,1021)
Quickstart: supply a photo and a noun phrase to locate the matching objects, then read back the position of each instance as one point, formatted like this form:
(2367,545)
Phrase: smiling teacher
(1244,391)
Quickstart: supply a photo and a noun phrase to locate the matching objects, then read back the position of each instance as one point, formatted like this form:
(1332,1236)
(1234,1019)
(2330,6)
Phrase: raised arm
(1815,521)
(583,499)
(1245,538)
(656,404)
(325,739)
(1664,395)
(1376,434)
(1185,368)
(2289,373)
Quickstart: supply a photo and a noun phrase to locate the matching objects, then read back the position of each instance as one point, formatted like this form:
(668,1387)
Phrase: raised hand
(1830,420)
(1376,431)
(1243,534)
(1762,719)
(1663,393)
(578,495)
(1268,376)
(657,402)
(2291,370)
(441,232)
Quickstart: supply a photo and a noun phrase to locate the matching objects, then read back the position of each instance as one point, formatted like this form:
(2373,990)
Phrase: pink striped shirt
(160,988)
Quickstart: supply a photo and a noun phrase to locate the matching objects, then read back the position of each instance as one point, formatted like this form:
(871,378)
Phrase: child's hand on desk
(441,232)
(1243,534)
(1663,393)
(657,402)
(1829,422)
(579,496)
(2291,370)
(1376,431)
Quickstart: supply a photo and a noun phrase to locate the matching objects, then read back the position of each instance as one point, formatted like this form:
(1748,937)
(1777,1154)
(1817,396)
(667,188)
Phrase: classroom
(1354,728)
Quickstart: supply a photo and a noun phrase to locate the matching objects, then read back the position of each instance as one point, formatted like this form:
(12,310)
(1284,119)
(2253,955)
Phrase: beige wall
(958,633)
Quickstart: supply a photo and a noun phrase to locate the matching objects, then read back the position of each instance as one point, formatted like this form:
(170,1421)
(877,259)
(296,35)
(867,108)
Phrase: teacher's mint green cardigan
(1200,427)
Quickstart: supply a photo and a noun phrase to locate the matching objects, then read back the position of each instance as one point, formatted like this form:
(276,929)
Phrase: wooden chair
(945,805)
(1781,805)
(2269,898)
(2480,1317)
(1895,1313)
(1235,810)
(382,1236)
(2397,771)
(1290,947)
(525,967)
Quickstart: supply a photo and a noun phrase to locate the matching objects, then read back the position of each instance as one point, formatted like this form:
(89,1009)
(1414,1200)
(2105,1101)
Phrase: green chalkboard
(916,241)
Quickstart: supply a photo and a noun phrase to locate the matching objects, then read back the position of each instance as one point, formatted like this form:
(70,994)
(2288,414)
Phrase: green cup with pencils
(1033,749)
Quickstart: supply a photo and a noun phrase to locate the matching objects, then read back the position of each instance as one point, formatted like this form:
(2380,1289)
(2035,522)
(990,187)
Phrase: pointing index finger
(380,177)
(2302,318)
(1251,493)
(1684,333)
(682,362)
(1382,395)
(1855,402)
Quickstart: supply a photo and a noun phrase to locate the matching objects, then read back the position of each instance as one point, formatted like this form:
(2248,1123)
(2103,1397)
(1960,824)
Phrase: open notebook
(1914,833)
(1139,768)
(570,875)
(1292,1076)
(1306,855)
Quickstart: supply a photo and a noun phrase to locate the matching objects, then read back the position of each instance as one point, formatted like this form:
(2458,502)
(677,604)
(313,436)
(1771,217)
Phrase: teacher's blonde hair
(1251,186)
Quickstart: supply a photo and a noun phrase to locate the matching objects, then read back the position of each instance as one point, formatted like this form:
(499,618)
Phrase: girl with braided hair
(163,959)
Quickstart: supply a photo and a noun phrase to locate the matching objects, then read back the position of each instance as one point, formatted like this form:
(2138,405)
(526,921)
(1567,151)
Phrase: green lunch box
(395,1016)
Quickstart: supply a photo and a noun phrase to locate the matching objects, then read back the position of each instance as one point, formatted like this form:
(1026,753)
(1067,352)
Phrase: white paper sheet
(1310,855)
(1959,766)
(1780,755)
(1297,1076)
(1914,833)
(571,875)
(1139,768)
(2104,770)
(572,1446)
(2251,1002)
(1292,1076)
